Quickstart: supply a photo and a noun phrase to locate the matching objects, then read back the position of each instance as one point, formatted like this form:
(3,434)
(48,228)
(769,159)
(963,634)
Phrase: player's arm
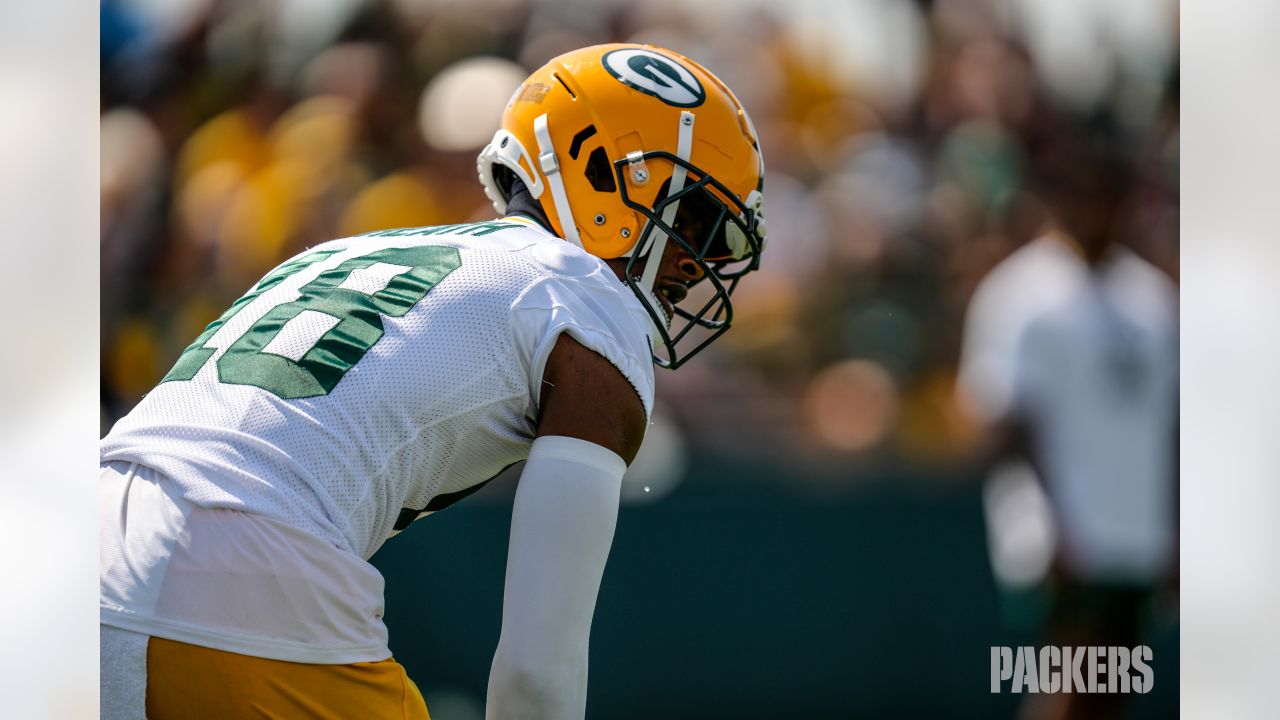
(590,425)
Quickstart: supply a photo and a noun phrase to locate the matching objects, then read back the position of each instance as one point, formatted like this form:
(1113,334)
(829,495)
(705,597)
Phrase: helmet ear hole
(599,172)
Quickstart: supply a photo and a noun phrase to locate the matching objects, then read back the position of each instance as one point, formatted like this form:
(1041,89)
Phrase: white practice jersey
(375,379)
(357,387)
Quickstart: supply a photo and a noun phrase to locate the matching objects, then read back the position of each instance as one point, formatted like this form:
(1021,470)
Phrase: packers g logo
(656,75)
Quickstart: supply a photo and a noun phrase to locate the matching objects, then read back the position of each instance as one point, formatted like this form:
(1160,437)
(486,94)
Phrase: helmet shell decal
(655,74)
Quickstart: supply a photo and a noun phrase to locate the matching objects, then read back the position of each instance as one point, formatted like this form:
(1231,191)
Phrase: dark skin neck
(522,203)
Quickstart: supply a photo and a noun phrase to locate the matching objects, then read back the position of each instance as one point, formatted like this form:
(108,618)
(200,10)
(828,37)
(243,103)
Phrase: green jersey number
(302,348)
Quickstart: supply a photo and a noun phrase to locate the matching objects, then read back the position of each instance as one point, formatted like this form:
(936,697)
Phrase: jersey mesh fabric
(443,401)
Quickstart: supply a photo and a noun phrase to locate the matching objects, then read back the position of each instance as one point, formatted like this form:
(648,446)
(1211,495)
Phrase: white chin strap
(684,146)
(551,168)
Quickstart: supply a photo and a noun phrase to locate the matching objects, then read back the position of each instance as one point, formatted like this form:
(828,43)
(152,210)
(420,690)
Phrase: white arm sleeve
(566,507)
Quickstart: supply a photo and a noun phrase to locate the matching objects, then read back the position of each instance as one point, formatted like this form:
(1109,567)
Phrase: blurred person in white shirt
(1071,361)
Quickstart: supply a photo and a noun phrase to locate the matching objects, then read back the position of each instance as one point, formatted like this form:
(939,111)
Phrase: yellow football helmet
(610,140)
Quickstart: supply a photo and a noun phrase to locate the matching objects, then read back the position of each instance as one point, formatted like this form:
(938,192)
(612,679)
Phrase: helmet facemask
(719,232)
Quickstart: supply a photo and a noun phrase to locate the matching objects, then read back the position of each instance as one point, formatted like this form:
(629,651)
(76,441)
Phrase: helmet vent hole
(600,172)
(565,85)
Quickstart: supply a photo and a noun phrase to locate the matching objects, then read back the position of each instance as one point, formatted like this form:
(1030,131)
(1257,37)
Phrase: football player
(374,380)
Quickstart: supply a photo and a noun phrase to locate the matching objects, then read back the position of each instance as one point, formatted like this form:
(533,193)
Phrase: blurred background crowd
(903,142)
(951,185)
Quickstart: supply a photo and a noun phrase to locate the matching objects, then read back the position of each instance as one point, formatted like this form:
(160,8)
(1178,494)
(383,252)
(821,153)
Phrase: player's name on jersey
(1054,669)
(473,229)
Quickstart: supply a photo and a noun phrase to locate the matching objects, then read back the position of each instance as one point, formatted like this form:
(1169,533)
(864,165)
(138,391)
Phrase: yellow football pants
(188,682)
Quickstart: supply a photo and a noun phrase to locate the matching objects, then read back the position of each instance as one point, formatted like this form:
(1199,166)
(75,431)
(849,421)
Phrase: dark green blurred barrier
(745,600)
